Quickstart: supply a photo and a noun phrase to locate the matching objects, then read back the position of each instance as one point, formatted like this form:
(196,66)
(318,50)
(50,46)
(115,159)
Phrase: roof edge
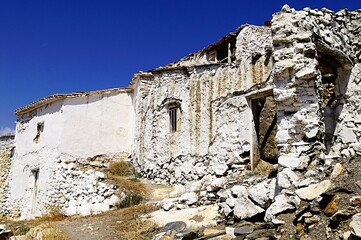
(56,97)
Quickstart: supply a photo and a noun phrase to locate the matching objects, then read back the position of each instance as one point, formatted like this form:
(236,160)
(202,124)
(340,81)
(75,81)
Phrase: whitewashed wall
(74,129)
(216,121)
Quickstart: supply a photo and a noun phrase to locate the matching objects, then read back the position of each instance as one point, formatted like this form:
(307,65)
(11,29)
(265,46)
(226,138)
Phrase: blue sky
(62,46)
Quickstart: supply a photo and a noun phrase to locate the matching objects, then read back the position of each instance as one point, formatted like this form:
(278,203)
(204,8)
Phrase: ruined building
(286,94)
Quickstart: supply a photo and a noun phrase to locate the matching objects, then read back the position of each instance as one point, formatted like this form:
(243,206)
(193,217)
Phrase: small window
(39,130)
(212,56)
(174,118)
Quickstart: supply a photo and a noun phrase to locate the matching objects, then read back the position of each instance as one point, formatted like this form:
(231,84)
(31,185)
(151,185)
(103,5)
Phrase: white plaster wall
(27,130)
(21,182)
(82,126)
(97,124)
(74,128)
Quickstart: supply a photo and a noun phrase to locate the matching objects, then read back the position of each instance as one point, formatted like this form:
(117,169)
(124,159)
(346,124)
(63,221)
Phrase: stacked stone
(319,198)
(6,148)
(81,192)
(296,83)
(5,162)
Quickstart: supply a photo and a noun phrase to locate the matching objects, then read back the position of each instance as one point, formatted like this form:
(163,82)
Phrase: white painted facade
(73,128)
(81,126)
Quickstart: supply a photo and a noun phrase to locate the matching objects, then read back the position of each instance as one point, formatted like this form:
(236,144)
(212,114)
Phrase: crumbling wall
(301,41)
(313,191)
(63,183)
(6,150)
(214,133)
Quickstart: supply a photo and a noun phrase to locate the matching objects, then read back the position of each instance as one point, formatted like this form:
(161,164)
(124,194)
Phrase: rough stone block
(313,191)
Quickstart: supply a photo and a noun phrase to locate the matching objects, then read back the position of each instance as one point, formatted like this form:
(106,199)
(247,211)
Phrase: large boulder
(245,208)
(314,190)
(259,193)
(189,198)
(280,205)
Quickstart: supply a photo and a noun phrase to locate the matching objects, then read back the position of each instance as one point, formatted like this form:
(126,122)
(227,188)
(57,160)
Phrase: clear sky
(63,46)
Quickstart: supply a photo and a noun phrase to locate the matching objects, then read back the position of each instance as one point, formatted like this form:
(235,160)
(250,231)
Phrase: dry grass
(54,214)
(28,227)
(128,185)
(137,229)
(138,210)
(121,168)
(135,190)
(47,232)
(133,227)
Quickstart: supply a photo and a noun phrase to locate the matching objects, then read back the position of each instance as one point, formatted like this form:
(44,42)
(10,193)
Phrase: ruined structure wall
(215,119)
(299,39)
(348,130)
(47,170)
(6,148)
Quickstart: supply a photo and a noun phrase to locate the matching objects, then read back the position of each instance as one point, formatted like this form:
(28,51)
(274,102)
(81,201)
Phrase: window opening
(226,52)
(333,77)
(174,118)
(39,130)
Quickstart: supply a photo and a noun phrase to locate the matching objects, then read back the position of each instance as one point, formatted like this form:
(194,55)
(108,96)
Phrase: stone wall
(303,42)
(314,190)
(215,127)
(63,183)
(309,62)
(6,150)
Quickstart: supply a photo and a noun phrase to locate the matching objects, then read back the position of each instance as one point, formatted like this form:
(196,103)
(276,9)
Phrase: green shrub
(121,168)
(137,175)
(22,230)
(130,200)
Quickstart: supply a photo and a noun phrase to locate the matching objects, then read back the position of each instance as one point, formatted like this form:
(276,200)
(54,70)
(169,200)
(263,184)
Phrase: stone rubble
(355,225)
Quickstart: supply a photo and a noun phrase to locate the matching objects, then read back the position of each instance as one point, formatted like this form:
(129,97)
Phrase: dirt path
(127,223)
(117,224)
(111,226)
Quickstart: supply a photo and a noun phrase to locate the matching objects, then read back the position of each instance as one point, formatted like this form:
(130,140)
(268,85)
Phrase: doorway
(35,175)
(264,128)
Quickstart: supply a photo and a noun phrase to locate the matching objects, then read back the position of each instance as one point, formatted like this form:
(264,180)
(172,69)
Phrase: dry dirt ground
(117,224)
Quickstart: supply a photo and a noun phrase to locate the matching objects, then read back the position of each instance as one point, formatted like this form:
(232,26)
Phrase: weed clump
(21,230)
(121,168)
(130,200)
(53,214)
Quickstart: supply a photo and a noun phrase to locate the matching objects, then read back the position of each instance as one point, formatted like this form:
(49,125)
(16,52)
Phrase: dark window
(39,130)
(175,115)
(173,118)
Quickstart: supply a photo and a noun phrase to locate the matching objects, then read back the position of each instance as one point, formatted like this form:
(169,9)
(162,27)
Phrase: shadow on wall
(335,69)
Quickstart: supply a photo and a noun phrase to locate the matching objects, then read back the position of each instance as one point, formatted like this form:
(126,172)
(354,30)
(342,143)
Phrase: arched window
(173,106)
(174,117)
